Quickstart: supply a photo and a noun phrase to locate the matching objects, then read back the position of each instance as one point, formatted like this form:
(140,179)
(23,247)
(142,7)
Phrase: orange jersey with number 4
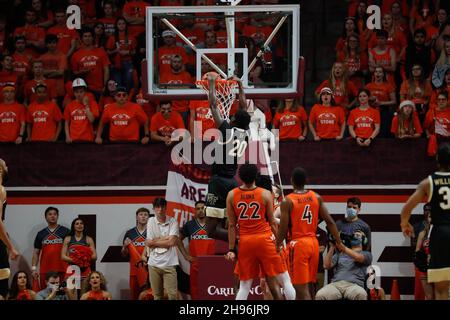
(250,211)
(304,215)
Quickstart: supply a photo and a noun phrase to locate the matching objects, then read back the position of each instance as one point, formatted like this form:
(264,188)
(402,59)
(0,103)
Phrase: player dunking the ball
(233,143)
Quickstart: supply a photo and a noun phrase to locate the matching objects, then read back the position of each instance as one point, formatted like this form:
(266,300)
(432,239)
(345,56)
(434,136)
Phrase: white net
(225,94)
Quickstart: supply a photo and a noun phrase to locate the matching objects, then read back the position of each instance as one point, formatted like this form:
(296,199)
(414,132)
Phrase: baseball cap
(78,82)
(168,33)
(326,90)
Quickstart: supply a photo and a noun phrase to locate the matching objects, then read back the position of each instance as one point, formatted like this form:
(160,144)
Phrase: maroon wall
(328,162)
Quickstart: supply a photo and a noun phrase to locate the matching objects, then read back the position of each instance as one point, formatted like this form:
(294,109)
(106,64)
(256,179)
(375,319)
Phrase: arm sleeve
(174,231)
(127,235)
(38,242)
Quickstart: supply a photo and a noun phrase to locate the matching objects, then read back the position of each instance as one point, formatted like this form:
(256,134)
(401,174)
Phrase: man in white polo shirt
(162,239)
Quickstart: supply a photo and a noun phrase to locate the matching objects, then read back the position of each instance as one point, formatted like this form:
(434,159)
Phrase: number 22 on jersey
(245,207)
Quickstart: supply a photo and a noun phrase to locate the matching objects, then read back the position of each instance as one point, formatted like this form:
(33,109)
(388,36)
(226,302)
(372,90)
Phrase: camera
(61,291)
(345,237)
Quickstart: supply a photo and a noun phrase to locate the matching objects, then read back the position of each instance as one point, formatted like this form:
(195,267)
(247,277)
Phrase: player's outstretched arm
(284,221)
(416,198)
(242,98)
(213,102)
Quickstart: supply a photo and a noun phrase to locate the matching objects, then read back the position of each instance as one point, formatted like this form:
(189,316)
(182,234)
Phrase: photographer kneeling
(55,289)
(350,267)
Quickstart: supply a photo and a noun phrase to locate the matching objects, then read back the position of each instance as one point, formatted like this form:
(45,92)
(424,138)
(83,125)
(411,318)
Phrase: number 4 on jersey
(307,214)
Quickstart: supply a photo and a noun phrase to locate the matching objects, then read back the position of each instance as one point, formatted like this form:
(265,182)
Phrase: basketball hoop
(225,95)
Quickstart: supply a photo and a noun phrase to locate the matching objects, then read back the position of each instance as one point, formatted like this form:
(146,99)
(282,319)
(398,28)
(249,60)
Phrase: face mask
(53,286)
(351,213)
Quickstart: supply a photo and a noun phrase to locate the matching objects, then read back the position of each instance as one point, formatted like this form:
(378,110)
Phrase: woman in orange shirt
(21,287)
(355,59)
(344,91)
(99,35)
(382,98)
(400,22)
(418,89)
(349,28)
(94,287)
(433,29)
(326,120)
(290,119)
(406,123)
(364,121)
(121,48)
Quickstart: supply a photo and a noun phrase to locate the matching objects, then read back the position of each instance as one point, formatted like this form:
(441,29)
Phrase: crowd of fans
(385,82)
(392,81)
(58,83)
